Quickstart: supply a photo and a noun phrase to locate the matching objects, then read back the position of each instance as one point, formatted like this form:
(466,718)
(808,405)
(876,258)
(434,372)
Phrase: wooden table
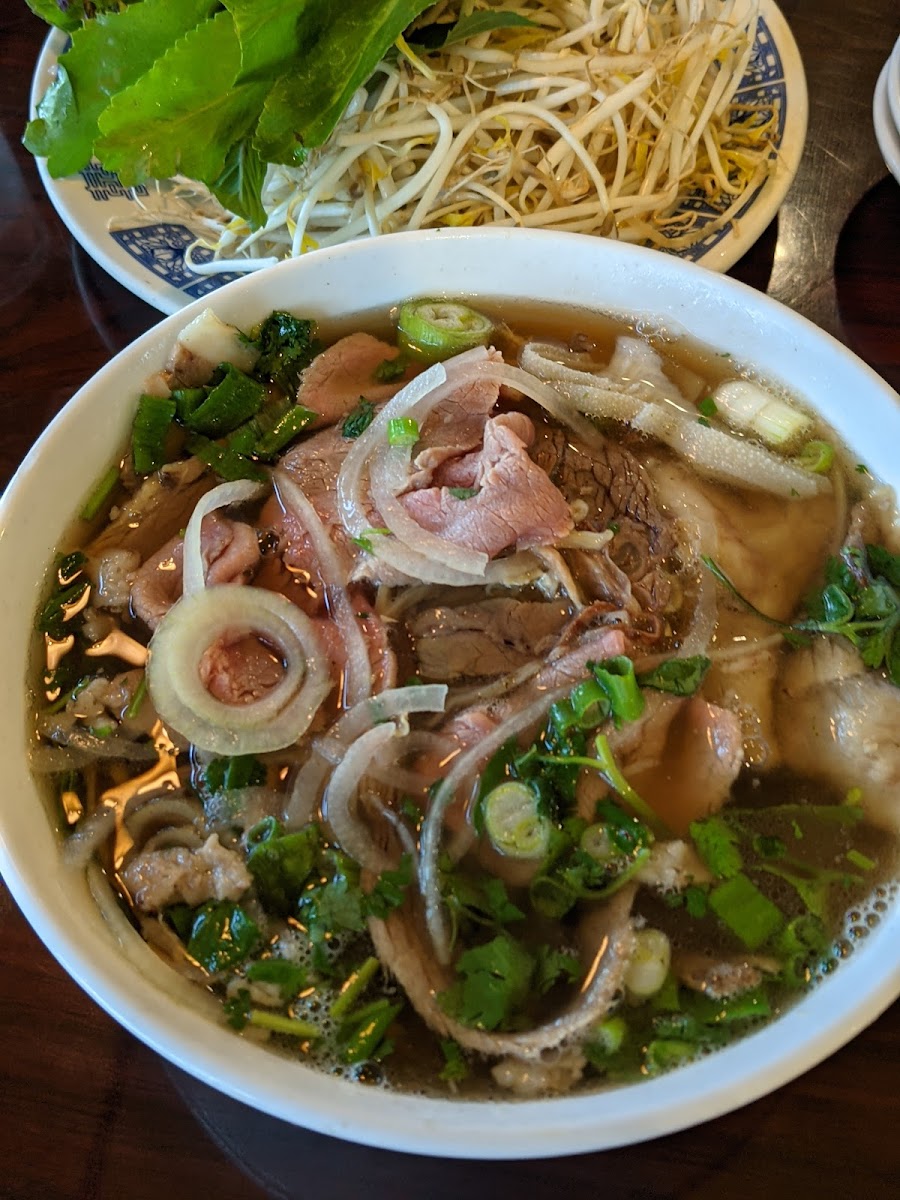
(87,1111)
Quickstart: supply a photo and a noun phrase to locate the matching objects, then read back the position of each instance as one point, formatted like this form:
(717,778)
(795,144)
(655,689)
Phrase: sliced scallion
(100,494)
(148,433)
(403,431)
(432,330)
(514,823)
(817,457)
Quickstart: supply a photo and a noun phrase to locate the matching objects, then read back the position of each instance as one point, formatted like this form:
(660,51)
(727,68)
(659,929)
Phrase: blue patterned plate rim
(146,255)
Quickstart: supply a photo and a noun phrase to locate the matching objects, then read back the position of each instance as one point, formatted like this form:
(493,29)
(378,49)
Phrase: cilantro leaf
(287,346)
(716,843)
(280,866)
(493,985)
(290,977)
(222,936)
(359,420)
(332,907)
(390,888)
(455,1066)
(553,966)
(679,676)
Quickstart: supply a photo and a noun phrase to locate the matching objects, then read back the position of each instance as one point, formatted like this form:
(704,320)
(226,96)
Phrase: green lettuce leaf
(304,106)
(107,54)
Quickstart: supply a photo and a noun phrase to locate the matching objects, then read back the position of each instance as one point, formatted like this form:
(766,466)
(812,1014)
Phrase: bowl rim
(818,1025)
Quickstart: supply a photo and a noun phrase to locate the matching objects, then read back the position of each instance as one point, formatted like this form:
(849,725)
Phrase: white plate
(133,234)
(887,133)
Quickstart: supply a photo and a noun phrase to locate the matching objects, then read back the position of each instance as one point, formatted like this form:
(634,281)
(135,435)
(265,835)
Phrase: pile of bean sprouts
(601,117)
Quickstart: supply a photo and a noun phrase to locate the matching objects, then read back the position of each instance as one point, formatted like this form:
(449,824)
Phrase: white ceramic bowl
(561,268)
(887,133)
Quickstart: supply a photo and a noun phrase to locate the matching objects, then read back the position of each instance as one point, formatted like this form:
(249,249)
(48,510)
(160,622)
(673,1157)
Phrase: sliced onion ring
(183,702)
(238,492)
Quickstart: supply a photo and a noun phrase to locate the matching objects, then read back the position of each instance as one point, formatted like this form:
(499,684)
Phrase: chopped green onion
(148,433)
(662,1054)
(616,677)
(187,401)
(648,966)
(363,1031)
(433,330)
(279,1024)
(283,430)
(226,463)
(231,402)
(750,915)
(353,987)
(817,457)
(607,1036)
(137,700)
(858,859)
(403,431)
(747,406)
(590,704)
(100,493)
(463,493)
(514,823)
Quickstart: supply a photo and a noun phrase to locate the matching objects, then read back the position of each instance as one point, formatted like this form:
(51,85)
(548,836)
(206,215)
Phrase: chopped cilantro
(716,843)
(359,420)
(493,984)
(707,407)
(222,936)
(287,346)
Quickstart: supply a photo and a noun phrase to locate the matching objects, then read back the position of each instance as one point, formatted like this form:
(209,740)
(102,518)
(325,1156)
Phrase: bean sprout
(602,117)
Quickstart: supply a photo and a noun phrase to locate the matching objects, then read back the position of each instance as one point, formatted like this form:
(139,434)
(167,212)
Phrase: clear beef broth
(699,855)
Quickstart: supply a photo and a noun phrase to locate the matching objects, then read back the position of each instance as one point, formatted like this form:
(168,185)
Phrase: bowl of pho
(466,666)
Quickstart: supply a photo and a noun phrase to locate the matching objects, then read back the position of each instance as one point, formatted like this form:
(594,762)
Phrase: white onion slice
(350,486)
(237,492)
(183,702)
(338,808)
(358,678)
(395,702)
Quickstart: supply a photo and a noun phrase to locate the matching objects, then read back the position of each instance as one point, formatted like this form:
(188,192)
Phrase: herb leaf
(493,985)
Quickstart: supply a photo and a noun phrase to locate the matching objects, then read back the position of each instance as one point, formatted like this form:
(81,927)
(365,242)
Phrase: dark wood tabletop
(89,1113)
